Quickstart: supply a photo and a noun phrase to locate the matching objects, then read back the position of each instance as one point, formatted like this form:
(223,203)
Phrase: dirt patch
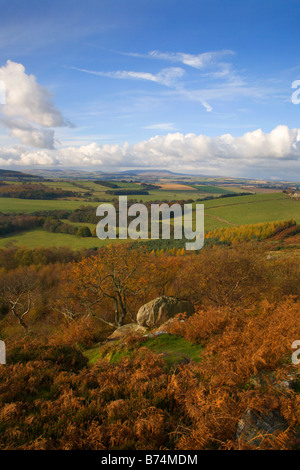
(176,187)
(295,240)
(287,234)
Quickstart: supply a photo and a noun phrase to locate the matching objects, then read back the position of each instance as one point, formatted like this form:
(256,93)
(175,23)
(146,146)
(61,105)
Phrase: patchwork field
(227,203)
(177,187)
(219,212)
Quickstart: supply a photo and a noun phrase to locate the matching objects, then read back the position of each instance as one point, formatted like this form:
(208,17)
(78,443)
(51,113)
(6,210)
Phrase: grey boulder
(161,309)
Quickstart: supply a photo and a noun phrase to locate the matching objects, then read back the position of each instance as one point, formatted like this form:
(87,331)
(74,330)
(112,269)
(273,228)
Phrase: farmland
(36,238)
(251,209)
(29,206)
(223,206)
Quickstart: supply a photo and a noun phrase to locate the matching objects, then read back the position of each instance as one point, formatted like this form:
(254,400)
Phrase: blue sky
(193,86)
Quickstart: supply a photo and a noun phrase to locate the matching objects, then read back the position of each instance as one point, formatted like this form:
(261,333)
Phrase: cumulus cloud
(28,110)
(275,153)
(35,137)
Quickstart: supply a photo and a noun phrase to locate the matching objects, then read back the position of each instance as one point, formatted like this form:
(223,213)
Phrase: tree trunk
(120,312)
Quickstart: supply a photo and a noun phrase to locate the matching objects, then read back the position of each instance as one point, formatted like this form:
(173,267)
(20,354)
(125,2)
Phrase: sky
(208,87)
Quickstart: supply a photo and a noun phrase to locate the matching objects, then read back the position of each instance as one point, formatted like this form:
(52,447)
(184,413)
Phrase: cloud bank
(273,154)
(28,111)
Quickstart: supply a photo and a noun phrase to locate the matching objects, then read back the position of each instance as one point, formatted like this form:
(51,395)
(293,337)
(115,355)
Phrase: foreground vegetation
(66,385)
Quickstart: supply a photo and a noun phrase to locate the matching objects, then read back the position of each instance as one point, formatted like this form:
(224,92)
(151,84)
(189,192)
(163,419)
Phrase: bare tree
(17,290)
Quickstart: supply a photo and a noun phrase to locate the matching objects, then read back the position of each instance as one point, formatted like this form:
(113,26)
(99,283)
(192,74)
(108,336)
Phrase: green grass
(94,354)
(254,209)
(173,349)
(242,210)
(96,188)
(80,224)
(212,189)
(236,200)
(168,195)
(110,352)
(9,204)
(41,238)
(65,186)
(127,185)
(210,223)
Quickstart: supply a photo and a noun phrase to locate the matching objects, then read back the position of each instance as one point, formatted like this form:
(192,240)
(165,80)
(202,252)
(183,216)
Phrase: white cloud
(166,76)
(35,137)
(209,63)
(197,61)
(212,78)
(163,126)
(28,110)
(275,154)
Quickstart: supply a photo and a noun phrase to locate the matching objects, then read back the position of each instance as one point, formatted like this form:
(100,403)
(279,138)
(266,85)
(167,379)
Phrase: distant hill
(140,175)
(149,172)
(65,173)
(18,175)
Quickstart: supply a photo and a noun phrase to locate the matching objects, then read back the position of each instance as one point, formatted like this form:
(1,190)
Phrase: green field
(9,204)
(253,209)
(66,186)
(208,189)
(239,210)
(41,238)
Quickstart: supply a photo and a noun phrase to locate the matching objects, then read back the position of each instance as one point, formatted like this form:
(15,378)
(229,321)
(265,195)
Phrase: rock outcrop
(260,429)
(254,428)
(161,309)
(125,330)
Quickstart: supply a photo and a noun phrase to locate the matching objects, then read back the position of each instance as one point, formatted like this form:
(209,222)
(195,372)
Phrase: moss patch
(174,350)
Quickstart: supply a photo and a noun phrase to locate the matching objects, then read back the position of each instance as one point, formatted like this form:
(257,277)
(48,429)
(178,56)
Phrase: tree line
(35,191)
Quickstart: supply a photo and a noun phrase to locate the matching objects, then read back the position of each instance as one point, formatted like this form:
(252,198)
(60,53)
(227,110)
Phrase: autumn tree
(224,276)
(115,283)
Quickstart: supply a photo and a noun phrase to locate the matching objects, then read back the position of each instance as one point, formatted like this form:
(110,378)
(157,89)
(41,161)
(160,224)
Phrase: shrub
(66,357)
(84,232)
